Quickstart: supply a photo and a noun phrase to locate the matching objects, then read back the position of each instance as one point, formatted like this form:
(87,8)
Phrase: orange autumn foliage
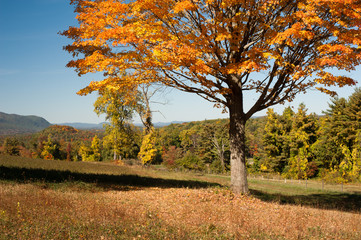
(181,43)
(219,49)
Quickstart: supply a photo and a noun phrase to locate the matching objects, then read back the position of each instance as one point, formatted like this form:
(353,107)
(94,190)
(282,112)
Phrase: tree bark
(220,151)
(237,129)
(221,156)
(114,155)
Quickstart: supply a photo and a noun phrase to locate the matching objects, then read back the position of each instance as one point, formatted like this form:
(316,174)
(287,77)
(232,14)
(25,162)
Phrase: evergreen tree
(302,136)
(273,142)
(353,113)
(334,131)
(286,120)
(338,147)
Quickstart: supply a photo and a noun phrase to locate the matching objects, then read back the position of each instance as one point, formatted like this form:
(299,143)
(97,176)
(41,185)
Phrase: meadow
(47,199)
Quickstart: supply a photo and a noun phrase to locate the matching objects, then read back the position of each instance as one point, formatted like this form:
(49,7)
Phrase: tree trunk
(221,156)
(115,155)
(238,149)
(220,151)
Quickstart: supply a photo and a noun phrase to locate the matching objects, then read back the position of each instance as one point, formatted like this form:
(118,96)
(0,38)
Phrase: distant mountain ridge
(79,125)
(163,124)
(16,124)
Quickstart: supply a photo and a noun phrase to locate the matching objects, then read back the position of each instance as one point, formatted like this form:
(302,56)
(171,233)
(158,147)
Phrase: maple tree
(221,50)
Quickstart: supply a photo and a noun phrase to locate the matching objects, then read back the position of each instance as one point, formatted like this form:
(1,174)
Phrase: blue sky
(35,81)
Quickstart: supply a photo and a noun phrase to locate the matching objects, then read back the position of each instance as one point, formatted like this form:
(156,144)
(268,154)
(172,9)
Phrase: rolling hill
(16,124)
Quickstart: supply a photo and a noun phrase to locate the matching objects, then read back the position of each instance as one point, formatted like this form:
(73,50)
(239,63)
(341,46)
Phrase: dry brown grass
(78,211)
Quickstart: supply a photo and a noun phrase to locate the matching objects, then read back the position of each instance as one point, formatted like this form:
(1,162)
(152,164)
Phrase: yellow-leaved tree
(119,112)
(220,50)
(148,151)
(120,109)
(92,153)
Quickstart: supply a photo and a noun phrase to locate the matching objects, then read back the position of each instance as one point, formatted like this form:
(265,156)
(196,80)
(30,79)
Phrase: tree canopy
(219,50)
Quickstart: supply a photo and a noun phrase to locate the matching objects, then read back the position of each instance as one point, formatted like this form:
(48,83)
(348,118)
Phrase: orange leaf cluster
(216,48)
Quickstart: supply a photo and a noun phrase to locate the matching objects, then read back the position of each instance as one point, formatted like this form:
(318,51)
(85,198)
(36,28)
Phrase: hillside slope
(15,124)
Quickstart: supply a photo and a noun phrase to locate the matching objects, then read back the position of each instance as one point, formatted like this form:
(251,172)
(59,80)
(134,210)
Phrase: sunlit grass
(158,204)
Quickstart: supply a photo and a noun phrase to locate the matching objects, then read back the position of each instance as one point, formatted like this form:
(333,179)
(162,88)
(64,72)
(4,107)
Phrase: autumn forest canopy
(295,144)
(219,50)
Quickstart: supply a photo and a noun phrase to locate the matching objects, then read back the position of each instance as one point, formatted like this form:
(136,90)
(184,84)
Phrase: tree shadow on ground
(105,181)
(334,201)
(347,202)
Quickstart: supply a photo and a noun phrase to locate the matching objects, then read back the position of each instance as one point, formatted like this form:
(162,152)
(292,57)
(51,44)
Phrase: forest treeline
(294,144)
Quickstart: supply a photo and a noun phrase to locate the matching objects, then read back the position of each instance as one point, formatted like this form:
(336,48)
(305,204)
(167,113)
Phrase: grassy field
(42,199)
